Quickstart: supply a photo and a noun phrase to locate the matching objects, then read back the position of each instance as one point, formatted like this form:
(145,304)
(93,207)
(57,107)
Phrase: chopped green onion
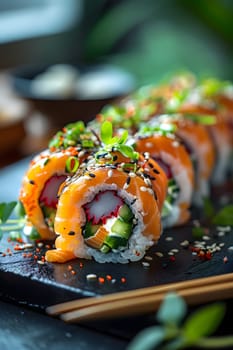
(72,164)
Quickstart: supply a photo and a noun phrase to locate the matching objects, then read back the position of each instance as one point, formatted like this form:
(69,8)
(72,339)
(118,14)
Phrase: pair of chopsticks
(141,301)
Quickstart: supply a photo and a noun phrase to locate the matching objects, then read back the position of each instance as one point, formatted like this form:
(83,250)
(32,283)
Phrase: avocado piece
(89,230)
(114,241)
(125,213)
(122,228)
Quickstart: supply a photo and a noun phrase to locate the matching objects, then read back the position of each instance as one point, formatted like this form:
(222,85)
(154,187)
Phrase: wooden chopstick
(155,294)
(143,304)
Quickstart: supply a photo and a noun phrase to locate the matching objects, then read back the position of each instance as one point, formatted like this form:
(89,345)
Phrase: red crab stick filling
(109,222)
(48,199)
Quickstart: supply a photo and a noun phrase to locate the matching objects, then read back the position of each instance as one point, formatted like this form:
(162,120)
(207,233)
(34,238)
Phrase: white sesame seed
(131,174)
(145,264)
(170,253)
(113,281)
(206,238)
(159,254)
(230,248)
(39,245)
(110,172)
(149,144)
(175,250)
(40,262)
(91,277)
(185,243)
(169,238)
(175,144)
(29,245)
(81,154)
(148,258)
(125,186)
(143,189)
(221,244)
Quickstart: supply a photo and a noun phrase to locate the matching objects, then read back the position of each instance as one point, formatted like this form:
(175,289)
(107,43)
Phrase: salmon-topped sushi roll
(199,145)
(161,143)
(47,171)
(203,107)
(111,209)
(39,190)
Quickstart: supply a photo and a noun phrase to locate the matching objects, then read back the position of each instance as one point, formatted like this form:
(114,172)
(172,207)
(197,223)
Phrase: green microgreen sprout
(175,102)
(211,87)
(71,135)
(175,332)
(112,143)
(161,128)
(203,119)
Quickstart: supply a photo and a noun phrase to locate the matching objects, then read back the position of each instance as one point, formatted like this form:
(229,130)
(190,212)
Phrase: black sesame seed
(114,158)
(150,165)
(91,175)
(32,182)
(71,233)
(156,171)
(133,201)
(128,180)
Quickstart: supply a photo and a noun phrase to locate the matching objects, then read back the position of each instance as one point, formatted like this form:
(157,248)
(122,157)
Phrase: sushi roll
(39,190)
(161,143)
(111,209)
(47,171)
(221,136)
(200,147)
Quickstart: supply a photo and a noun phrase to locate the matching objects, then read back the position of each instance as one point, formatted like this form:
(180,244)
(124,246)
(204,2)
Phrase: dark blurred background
(149,38)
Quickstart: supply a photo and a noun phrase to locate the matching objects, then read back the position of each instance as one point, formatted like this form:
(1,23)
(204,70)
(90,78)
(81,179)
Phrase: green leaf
(6,210)
(203,322)
(123,137)
(19,210)
(128,151)
(148,339)
(106,132)
(208,207)
(172,310)
(224,217)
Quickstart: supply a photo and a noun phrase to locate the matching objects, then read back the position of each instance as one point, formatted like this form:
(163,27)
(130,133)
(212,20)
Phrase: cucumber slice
(89,230)
(125,213)
(122,228)
(115,241)
(105,248)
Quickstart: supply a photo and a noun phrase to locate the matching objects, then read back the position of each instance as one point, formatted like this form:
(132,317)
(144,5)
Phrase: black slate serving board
(25,280)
